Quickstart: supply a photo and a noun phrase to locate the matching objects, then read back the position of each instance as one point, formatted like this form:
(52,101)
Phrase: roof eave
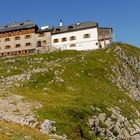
(74,30)
(36,27)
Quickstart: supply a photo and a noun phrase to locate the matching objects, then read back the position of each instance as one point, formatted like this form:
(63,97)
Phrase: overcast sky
(122,15)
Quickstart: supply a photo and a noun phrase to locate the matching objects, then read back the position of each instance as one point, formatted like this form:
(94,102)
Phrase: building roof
(17,26)
(75,27)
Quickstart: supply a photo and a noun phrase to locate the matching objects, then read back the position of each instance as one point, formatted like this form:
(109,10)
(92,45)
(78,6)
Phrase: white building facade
(80,36)
(79,40)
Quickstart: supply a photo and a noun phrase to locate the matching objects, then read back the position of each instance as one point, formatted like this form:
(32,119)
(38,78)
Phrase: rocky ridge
(125,76)
(115,127)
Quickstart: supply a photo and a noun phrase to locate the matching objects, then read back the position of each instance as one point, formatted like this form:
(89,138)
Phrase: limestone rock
(47,126)
(115,127)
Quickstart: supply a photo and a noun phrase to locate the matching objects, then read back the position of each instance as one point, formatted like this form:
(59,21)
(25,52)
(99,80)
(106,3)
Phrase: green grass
(85,83)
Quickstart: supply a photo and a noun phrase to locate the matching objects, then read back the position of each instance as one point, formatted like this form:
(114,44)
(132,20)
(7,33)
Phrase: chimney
(61,23)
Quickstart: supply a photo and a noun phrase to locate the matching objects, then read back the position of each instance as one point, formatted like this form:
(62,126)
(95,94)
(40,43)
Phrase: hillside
(81,95)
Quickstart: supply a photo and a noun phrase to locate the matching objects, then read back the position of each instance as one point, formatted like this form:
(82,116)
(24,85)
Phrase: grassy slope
(10,131)
(85,83)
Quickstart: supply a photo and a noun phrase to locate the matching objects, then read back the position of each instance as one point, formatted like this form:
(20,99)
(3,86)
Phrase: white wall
(105,42)
(81,43)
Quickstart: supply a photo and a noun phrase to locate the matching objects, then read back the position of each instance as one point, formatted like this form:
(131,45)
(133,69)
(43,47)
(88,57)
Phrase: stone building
(23,38)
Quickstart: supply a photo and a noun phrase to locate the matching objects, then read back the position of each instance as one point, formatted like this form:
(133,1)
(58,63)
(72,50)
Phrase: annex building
(27,37)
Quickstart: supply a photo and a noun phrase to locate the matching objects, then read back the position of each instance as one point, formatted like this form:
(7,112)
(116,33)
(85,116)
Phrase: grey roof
(17,26)
(75,27)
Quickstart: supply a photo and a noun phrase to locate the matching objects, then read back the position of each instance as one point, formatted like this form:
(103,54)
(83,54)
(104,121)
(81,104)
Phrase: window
(73,45)
(17,38)
(39,44)
(64,39)
(28,44)
(55,40)
(72,38)
(8,53)
(27,36)
(17,45)
(41,34)
(7,47)
(7,39)
(86,36)
(44,42)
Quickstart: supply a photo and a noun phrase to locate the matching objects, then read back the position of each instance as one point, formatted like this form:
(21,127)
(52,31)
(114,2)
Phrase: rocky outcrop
(114,127)
(13,109)
(126,73)
(47,126)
